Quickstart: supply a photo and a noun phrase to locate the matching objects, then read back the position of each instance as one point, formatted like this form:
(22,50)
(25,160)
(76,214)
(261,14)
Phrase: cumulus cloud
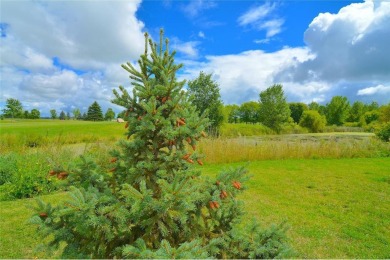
(35,35)
(380,89)
(74,31)
(351,45)
(242,76)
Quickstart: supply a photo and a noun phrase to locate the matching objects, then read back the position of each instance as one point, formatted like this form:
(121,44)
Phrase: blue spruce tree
(153,202)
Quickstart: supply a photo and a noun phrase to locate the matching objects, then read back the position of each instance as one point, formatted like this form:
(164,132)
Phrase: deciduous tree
(76,113)
(53,114)
(313,121)
(274,110)
(109,115)
(206,97)
(297,110)
(13,108)
(249,112)
(35,114)
(337,110)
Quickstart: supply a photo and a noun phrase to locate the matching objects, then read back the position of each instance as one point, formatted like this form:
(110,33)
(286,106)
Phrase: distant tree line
(271,110)
(14,109)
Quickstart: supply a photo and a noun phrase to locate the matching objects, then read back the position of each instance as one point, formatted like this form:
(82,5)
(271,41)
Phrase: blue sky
(66,54)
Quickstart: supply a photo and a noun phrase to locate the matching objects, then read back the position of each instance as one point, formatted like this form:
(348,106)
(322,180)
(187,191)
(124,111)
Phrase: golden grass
(223,150)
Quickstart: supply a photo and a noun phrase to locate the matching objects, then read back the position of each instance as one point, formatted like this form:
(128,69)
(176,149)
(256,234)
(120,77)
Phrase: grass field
(336,208)
(332,188)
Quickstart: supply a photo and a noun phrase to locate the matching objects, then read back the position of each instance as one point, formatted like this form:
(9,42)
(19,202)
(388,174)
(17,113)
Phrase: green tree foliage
(313,121)
(26,114)
(76,113)
(151,202)
(95,112)
(249,112)
(371,116)
(274,110)
(314,106)
(205,96)
(121,114)
(35,114)
(232,113)
(384,132)
(356,112)
(13,108)
(53,114)
(372,106)
(297,110)
(62,115)
(384,113)
(109,115)
(337,110)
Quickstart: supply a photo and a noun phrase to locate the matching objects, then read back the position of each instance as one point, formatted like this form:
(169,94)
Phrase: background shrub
(312,120)
(384,132)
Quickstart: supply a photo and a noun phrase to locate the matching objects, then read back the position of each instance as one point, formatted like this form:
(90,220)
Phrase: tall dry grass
(222,150)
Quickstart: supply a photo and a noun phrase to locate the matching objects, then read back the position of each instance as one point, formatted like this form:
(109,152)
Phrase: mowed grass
(336,208)
(16,134)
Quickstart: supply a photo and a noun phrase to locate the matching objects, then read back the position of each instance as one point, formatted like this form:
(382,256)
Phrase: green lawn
(336,208)
(48,127)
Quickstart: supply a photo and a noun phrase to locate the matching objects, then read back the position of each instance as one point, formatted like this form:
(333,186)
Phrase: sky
(66,54)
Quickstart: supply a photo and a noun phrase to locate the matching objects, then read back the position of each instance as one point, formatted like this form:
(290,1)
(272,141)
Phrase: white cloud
(351,45)
(259,18)
(272,27)
(380,89)
(76,31)
(188,49)
(201,35)
(262,41)
(196,6)
(242,76)
(94,37)
(350,50)
(255,14)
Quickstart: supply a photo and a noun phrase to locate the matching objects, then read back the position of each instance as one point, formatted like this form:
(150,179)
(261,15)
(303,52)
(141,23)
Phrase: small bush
(384,133)
(313,121)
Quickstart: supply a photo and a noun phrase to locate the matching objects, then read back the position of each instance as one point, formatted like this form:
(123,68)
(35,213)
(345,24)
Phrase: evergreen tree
(53,114)
(152,202)
(84,116)
(62,115)
(274,110)
(206,97)
(95,112)
(109,115)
